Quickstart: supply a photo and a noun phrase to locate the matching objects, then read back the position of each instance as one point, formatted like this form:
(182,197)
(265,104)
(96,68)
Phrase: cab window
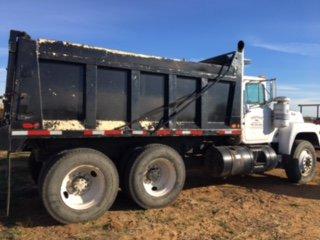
(255,93)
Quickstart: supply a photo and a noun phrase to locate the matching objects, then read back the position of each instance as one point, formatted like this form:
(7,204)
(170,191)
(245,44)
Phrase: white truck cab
(268,120)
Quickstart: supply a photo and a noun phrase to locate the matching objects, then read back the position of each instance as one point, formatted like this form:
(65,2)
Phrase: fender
(288,134)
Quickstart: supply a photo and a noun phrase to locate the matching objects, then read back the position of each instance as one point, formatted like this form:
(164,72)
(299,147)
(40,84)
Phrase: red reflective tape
(87,133)
(236,132)
(178,132)
(183,132)
(164,132)
(221,132)
(38,133)
(197,132)
(113,133)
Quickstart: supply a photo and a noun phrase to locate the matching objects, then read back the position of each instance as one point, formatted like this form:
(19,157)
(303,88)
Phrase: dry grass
(252,207)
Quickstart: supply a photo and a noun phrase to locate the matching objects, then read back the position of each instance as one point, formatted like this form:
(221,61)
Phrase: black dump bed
(59,86)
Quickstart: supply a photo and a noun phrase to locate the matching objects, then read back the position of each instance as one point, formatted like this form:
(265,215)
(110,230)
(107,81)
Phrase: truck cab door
(257,119)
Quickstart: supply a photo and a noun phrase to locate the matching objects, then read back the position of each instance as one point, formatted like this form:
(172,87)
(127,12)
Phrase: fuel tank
(223,161)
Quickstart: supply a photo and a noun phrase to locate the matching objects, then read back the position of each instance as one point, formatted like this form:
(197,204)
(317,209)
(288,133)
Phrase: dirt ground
(252,207)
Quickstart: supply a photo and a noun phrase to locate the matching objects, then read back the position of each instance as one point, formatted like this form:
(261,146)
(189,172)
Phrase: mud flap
(8,184)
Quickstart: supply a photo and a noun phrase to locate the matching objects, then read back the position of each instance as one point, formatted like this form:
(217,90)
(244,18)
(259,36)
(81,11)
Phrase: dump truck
(97,121)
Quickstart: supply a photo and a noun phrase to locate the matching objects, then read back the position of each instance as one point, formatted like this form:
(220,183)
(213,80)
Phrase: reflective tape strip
(113,133)
(164,132)
(183,132)
(109,133)
(236,132)
(19,133)
(139,132)
(32,133)
(87,133)
(95,132)
(43,133)
(196,132)
(221,132)
(229,132)
(55,132)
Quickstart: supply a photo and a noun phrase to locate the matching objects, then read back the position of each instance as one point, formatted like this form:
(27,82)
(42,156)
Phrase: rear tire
(127,160)
(123,166)
(301,167)
(78,185)
(155,177)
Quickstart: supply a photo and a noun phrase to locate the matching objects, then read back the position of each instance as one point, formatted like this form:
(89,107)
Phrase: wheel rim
(306,162)
(83,187)
(159,178)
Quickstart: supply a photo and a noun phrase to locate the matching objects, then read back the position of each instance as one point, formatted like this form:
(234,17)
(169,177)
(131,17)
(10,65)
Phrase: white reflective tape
(185,132)
(19,133)
(55,132)
(96,132)
(137,132)
(227,131)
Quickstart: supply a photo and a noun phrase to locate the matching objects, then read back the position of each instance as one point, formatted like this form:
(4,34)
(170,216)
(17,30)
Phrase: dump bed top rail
(70,52)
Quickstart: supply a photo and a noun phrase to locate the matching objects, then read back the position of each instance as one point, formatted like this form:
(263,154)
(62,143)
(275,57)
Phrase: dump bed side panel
(64,87)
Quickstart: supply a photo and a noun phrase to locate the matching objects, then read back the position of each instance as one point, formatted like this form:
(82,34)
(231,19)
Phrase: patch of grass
(223,224)
(142,216)
(11,234)
(226,227)
(164,220)
(107,226)
(85,238)
(294,205)
(214,211)
(204,199)
(181,225)
(81,238)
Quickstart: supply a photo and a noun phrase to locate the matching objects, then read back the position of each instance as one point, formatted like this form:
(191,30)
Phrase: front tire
(301,167)
(79,185)
(155,177)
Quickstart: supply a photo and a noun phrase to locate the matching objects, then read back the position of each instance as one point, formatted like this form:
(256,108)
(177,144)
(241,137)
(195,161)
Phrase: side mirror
(271,89)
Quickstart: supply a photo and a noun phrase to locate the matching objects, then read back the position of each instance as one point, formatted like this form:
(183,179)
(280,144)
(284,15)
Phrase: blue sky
(282,37)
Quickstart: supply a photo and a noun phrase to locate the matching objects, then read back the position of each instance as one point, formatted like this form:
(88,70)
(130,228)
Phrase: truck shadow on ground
(27,209)
(267,182)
